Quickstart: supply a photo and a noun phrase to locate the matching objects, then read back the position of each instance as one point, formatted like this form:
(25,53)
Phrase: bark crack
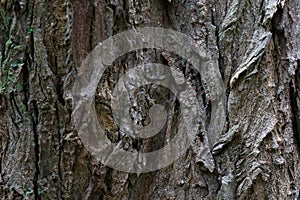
(220,63)
(294,98)
(34,115)
(34,118)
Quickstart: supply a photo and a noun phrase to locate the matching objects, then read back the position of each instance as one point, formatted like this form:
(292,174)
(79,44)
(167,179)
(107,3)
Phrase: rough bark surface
(257,46)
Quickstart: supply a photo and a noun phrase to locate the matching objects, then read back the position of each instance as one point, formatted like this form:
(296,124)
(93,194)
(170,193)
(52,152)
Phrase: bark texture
(257,45)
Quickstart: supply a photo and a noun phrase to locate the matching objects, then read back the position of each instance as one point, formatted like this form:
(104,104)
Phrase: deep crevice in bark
(34,118)
(107,178)
(34,112)
(15,109)
(220,63)
(294,97)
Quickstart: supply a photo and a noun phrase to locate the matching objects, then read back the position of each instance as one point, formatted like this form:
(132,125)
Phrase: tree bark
(257,46)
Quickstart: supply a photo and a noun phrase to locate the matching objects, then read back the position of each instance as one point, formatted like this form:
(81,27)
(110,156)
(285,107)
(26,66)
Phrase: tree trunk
(256,45)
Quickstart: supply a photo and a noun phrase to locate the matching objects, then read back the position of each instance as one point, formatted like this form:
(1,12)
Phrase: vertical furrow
(34,118)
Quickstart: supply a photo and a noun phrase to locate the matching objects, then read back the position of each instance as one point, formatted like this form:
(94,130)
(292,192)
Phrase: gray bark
(257,47)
